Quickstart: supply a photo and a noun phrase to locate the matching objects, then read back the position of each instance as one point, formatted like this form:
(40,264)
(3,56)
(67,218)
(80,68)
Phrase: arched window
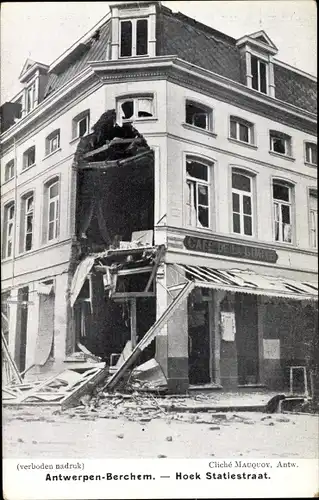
(198,195)
(242,202)
(52,142)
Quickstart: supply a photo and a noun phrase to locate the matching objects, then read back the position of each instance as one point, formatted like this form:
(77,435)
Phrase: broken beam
(124,272)
(104,165)
(105,147)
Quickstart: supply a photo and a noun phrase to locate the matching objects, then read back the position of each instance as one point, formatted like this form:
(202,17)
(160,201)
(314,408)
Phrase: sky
(44,30)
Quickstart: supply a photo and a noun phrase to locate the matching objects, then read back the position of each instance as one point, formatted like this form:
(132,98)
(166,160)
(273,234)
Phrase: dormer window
(30,98)
(259,71)
(134,37)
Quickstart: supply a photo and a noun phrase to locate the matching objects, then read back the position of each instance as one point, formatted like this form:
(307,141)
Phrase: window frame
(26,155)
(8,235)
(207,109)
(266,63)
(84,115)
(9,165)
(276,202)
(241,193)
(310,162)
(31,87)
(196,182)
(313,216)
(47,201)
(135,98)
(134,21)
(242,122)
(25,213)
(275,135)
(49,141)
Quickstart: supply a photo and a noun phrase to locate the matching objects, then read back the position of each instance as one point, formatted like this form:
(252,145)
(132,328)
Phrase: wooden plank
(158,258)
(125,272)
(130,295)
(133,322)
(9,358)
(87,385)
(104,165)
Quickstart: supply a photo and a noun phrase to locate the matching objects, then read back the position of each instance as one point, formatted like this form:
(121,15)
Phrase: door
(247,339)
(198,338)
(21,333)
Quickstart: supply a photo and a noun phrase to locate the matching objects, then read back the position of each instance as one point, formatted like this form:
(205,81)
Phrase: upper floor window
(242,200)
(198,198)
(259,71)
(28,158)
(8,230)
(135,108)
(241,130)
(311,153)
(134,37)
(9,170)
(81,124)
(198,115)
(30,98)
(282,205)
(313,218)
(52,142)
(280,143)
(26,228)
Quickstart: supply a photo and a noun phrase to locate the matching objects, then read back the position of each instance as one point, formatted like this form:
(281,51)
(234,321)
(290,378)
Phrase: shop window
(9,171)
(8,230)
(242,202)
(51,210)
(282,206)
(259,70)
(81,124)
(198,115)
(280,143)
(28,158)
(313,218)
(26,224)
(311,153)
(198,198)
(241,130)
(52,142)
(134,37)
(135,108)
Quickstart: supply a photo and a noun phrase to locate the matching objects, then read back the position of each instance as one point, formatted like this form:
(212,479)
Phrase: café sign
(230,249)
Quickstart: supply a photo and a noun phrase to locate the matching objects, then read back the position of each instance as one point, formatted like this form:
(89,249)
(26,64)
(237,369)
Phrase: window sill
(242,143)
(313,165)
(280,155)
(7,182)
(28,168)
(145,119)
(121,58)
(198,129)
(52,153)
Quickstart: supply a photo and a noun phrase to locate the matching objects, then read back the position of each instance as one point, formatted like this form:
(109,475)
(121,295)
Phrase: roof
(198,44)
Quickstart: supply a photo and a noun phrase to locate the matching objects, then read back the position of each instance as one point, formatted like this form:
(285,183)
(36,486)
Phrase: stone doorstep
(212,408)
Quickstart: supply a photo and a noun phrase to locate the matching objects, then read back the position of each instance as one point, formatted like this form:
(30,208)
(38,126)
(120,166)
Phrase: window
(28,158)
(135,108)
(26,223)
(81,124)
(241,130)
(198,115)
(51,211)
(52,142)
(8,230)
(313,218)
(197,178)
(134,37)
(30,98)
(242,204)
(280,143)
(282,200)
(9,171)
(311,153)
(259,74)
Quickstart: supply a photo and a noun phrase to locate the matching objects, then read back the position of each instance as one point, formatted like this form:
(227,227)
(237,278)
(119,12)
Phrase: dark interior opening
(247,339)
(198,339)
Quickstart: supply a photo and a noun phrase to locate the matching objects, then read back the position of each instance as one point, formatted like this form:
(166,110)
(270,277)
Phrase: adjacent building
(228,200)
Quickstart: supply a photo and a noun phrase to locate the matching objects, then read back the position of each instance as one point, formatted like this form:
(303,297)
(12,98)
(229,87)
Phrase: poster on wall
(228,326)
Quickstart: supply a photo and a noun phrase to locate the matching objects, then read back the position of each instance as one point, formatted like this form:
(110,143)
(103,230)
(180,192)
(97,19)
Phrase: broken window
(81,124)
(134,37)
(282,199)
(198,115)
(26,228)
(311,153)
(280,143)
(197,178)
(135,108)
(28,158)
(8,230)
(259,74)
(242,204)
(241,130)
(52,142)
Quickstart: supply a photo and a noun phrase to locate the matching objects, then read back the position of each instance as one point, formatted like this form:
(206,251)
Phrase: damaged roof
(196,43)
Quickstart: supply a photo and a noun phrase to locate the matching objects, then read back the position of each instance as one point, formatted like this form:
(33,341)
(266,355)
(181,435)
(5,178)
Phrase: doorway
(21,332)
(247,339)
(199,337)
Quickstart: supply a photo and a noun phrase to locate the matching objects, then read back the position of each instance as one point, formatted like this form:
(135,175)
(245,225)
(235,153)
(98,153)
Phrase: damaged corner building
(159,224)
